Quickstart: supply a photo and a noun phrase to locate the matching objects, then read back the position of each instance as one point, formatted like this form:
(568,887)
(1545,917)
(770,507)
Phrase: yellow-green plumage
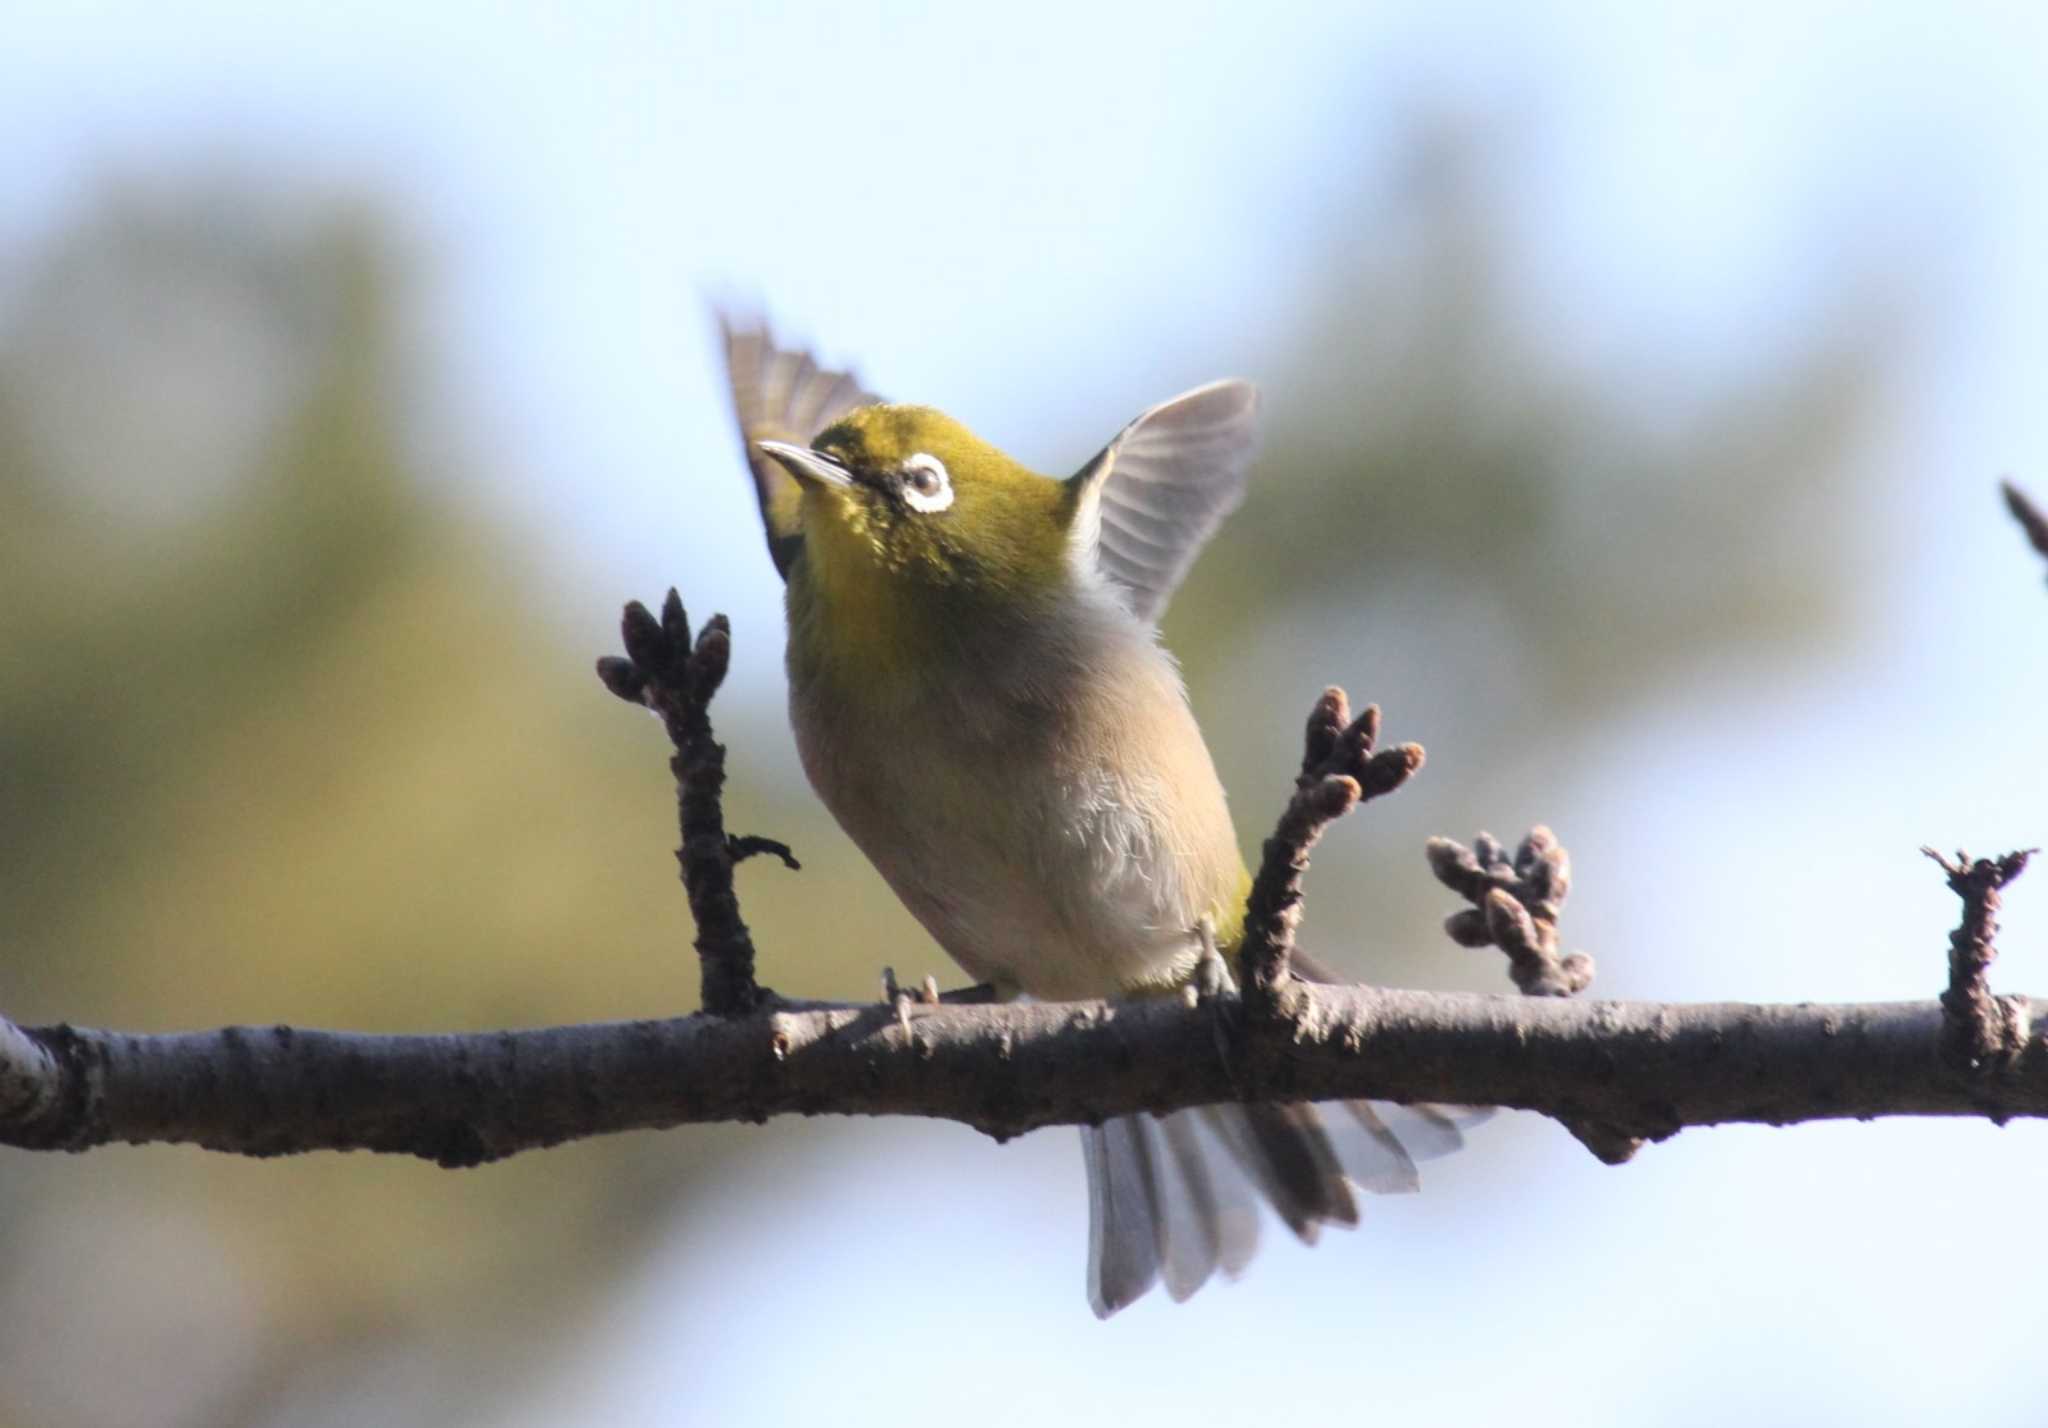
(894,583)
(1007,744)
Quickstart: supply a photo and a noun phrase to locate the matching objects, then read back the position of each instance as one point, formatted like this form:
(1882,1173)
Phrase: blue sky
(1105,189)
(1045,219)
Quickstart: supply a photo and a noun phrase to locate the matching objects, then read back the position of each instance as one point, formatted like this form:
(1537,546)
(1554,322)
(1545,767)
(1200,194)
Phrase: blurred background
(1639,378)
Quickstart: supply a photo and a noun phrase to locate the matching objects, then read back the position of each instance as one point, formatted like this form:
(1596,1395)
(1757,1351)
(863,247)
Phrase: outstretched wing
(1157,493)
(781,394)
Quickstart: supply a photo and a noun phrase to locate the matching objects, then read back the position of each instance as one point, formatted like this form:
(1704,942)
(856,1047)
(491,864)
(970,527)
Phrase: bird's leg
(1212,974)
(895,996)
(1213,987)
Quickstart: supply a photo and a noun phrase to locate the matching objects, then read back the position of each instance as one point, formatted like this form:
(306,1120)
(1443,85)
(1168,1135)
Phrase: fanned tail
(1161,1205)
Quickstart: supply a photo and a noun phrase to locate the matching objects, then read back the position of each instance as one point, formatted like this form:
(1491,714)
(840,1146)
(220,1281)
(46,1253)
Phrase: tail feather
(1157,1206)
(1123,1213)
(1425,1131)
(1386,1168)
(1192,1219)
(1431,1132)
(1286,1154)
(1156,1210)
(1227,1197)
(1160,1207)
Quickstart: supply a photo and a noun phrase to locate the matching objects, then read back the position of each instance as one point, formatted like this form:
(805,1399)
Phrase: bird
(980,697)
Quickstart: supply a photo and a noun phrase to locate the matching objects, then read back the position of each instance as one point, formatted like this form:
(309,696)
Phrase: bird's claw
(926,994)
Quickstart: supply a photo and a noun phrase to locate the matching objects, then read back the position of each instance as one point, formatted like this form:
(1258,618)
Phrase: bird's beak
(806,464)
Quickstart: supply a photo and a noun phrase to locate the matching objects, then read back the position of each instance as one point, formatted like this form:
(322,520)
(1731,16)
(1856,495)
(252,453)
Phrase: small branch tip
(676,676)
(1516,904)
(1977,1036)
(2029,516)
(742,846)
(1340,769)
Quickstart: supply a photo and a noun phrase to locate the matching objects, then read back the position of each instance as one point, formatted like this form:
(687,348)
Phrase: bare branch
(1614,1072)
(2029,515)
(1516,906)
(1644,1068)
(676,677)
(1980,1033)
(1339,770)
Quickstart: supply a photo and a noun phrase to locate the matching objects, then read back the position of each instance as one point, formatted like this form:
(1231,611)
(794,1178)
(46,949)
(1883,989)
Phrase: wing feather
(1155,495)
(781,394)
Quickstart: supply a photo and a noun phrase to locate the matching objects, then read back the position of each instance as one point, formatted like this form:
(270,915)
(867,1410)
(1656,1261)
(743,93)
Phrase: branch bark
(1647,1069)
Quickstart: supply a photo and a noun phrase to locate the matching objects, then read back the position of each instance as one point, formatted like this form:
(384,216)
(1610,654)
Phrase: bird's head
(907,498)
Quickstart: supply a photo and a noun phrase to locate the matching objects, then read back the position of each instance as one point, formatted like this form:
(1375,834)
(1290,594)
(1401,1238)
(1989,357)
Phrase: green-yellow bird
(980,697)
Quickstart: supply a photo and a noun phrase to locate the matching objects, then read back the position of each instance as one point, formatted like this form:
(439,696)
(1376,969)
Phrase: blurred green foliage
(305,750)
(287,734)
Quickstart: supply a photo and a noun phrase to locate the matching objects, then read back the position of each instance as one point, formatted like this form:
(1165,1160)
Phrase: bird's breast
(1039,797)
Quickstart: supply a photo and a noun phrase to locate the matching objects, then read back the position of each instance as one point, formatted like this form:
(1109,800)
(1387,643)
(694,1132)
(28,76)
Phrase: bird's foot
(928,994)
(1211,980)
(1212,987)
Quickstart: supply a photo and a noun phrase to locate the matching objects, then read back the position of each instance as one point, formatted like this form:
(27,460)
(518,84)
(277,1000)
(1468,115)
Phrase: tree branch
(1614,1072)
(1646,1068)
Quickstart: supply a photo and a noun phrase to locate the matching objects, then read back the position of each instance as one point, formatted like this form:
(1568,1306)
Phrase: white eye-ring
(926,486)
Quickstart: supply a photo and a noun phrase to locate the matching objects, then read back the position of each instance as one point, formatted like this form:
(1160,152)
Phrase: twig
(742,846)
(2031,520)
(676,677)
(1516,906)
(1979,1032)
(1339,770)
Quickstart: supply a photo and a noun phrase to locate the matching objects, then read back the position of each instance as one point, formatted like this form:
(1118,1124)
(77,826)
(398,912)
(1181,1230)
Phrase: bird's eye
(926,486)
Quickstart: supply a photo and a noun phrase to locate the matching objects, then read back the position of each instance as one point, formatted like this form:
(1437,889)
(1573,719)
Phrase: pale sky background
(1068,211)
